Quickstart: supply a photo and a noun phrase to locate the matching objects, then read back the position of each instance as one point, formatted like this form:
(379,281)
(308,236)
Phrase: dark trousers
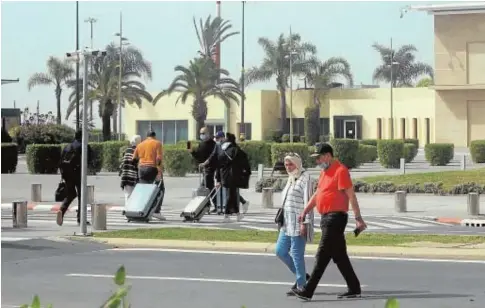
(333,247)
(73,191)
(160,196)
(232,201)
(208,182)
(147,174)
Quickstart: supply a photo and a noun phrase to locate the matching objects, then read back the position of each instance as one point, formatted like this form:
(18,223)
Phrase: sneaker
(245,207)
(302,294)
(59,218)
(159,216)
(240,217)
(226,219)
(291,292)
(349,294)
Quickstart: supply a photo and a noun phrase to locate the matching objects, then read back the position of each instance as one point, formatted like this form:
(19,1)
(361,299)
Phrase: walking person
(293,235)
(70,168)
(334,192)
(129,169)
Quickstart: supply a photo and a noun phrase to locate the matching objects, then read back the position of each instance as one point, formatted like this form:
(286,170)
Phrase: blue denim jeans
(296,261)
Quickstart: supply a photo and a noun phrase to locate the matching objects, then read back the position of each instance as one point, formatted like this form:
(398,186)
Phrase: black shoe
(87,223)
(291,292)
(349,294)
(302,294)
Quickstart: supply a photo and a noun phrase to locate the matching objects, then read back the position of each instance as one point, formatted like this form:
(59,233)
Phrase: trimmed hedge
(286,138)
(439,154)
(409,152)
(259,152)
(176,160)
(367,153)
(111,154)
(43,158)
(41,134)
(9,157)
(390,153)
(346,151)
(97,160)
(369,142)
(477,151)
(278,151)
(312,125)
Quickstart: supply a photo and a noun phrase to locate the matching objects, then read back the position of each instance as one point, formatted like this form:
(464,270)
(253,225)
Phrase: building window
(298,126)
(168,132)
(214,128)
(247,130)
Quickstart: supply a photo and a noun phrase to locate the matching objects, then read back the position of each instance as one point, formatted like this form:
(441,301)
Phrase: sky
(164,32)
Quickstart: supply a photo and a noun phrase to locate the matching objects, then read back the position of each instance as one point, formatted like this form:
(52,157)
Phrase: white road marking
(277,283)
(387,226)
(260,228)
(15,239)
(407,223)
(262,254)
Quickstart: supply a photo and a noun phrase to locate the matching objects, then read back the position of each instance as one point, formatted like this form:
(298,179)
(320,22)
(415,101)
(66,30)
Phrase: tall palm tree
(59,72)
(276,63)
(211,33)
(405,68)
(103,83)
(198,81)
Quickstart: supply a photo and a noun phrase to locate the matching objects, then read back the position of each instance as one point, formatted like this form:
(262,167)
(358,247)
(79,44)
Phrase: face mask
(203,137)
(324,166)
(218,142)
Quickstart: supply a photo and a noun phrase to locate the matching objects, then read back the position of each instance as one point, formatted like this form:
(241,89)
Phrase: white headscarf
(295,174)
(135,140)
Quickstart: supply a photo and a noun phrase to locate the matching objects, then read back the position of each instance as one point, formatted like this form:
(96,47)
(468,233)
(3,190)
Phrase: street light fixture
(92,21)
(122,39)
(391,64)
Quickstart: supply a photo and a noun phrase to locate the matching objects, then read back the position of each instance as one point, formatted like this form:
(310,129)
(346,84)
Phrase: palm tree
(405,68)
(212,33)
(59,72)
(103,83)
(200,80)
(424,82)
(276,63)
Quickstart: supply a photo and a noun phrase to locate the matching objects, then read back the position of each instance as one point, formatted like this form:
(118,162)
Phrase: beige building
(451,111)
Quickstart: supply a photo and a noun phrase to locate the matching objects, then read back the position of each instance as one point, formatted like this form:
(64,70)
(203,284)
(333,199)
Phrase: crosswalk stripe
(408,223)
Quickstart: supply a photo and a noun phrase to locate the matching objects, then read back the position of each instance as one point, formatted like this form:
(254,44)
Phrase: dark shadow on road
(14,245)
(376,295)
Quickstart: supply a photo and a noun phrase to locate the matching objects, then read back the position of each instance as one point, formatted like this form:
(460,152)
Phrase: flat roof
(451,8)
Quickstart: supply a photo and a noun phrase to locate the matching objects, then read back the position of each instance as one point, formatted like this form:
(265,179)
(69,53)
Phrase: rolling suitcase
(198,207)
(143,201)
(201,191)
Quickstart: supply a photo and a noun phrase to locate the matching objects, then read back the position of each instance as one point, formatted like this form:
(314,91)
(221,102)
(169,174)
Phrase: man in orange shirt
(335,190)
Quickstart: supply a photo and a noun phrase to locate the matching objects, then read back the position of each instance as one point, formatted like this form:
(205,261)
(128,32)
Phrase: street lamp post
(77,66)
(290,55)
(91,20)
(391,65)
(120,34)
(242,128)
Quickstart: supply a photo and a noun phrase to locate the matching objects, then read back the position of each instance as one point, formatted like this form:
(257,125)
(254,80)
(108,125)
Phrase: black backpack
(71,159)
(240,168)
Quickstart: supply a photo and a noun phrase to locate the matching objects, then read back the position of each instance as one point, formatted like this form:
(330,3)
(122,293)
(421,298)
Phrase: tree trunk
(199,123)
(106,119)
(283,127)
(58,99)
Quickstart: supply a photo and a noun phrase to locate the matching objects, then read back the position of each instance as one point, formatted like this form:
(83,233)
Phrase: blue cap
(220,134)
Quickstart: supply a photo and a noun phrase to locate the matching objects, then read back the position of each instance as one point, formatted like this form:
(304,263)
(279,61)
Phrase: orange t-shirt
(333,182)
(148,152)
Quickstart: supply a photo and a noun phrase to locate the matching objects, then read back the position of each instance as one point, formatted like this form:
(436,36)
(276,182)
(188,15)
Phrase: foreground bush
(367,153)
(477,151)
(9,157)
(279,150)
(369,142)
(96,163)
(390,152)
(439,154)
(259,152)
(409,152)
(111,154)
(346,151)
(177,161)
(41,134)
(43,158)
(312,124)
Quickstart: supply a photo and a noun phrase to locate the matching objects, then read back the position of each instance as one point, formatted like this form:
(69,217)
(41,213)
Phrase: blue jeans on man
(296,261)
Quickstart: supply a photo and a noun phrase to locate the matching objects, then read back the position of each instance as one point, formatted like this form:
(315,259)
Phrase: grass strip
(364,239)
(448,178)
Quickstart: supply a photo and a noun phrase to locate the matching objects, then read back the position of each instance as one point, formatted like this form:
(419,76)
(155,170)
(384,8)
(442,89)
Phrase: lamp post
(242,129)
(292,52)
(391,65)
(91,20)
(120,76)
(77,66)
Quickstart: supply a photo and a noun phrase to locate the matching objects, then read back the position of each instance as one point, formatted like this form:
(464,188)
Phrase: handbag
(280,215)
(61,191)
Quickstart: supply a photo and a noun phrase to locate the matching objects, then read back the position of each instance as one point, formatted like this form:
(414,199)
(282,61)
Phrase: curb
(54,207)
(449,220)
(465,222)
(357,251)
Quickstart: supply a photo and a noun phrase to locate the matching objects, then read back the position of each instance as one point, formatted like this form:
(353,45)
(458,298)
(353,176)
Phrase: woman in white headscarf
(294,235)
(129,169)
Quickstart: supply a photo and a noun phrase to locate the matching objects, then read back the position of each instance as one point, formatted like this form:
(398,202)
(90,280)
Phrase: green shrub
(416,144)
(6,138)
(324,138)
(409,152)
(96,163)
(286,138)
(367,153)
(41,134)
(439,154)
(302,139)
(346,151)
(9,157)
(259,152)
(274,136)
(390,153)
(43,158)
(278,151)
(177,161)
(111,154)
(477,151)
(369,142)
(312,125)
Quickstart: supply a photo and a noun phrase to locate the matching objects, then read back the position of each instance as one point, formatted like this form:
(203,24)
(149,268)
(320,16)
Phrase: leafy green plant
(43,158)
(259,152)
(390,152)
(41,134)
(439,154)
(312,124)
(392,303)
(369,142)
(477,151)
(409,152)
(111,154)
(177,161)
(367,153)
(9,157)
(347,151)
(278,151)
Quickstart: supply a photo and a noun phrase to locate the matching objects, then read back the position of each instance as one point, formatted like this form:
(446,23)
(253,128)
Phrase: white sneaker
(159,216)
(245,207)
(240,217)
(226,219)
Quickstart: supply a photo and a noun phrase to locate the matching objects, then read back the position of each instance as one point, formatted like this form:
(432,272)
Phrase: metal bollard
(36,193)
(267,196)
(98,216)
(400,202)
(402,165)
(19,214)
(463,162)
(473,204)
(260,171)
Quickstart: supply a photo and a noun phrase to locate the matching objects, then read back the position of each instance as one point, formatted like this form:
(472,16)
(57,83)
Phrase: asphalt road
(79,276)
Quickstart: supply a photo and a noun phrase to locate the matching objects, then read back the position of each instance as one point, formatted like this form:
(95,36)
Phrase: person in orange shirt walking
(334,192)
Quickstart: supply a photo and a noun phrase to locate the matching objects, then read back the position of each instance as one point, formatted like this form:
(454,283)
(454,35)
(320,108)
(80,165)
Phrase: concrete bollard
(98,216)
(267,196)
(473,204)
(260,171)
(400,202)
(402,165)
(36,193)
(19,214)
(463,162)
